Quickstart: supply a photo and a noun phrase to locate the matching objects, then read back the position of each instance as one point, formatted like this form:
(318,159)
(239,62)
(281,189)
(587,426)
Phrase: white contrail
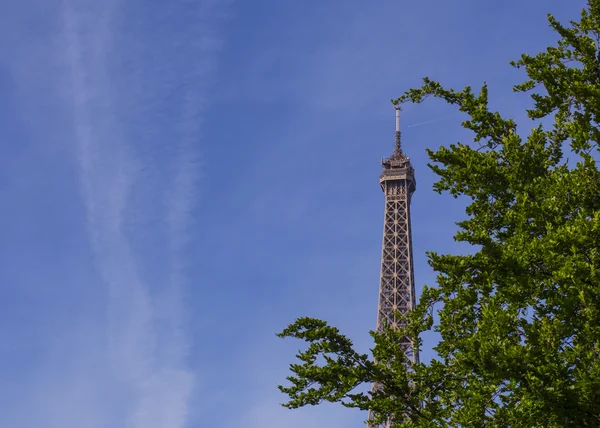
(428,122)
(107,170)
(147,338)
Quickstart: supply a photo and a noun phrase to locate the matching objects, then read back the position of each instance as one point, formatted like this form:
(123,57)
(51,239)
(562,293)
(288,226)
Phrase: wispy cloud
(126,188)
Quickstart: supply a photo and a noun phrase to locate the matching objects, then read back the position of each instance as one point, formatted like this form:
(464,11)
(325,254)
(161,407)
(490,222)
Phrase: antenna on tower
(398,109)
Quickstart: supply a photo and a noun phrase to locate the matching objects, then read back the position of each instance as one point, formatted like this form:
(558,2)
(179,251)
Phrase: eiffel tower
(397,284)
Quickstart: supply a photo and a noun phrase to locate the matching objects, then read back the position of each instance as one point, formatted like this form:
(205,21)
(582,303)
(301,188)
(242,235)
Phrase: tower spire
(397,149)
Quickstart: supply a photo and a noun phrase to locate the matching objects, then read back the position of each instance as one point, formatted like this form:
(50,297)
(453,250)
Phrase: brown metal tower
(397,284)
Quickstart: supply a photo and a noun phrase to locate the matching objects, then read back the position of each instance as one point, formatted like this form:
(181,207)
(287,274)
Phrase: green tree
(520,318)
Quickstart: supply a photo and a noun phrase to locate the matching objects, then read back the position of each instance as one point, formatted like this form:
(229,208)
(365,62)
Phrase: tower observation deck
(397,285)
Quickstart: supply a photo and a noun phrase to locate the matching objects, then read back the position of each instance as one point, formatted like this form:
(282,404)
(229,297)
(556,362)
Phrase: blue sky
(183,179)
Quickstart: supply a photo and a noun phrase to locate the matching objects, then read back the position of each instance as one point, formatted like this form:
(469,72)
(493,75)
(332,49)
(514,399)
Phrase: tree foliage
(520,318)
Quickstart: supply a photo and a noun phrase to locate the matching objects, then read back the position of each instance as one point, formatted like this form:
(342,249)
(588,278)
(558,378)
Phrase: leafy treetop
(520,318)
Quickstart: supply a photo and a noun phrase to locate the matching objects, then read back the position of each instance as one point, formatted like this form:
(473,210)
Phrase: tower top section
(397,166)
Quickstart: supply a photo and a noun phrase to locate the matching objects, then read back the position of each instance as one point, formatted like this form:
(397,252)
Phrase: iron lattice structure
(397,285)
